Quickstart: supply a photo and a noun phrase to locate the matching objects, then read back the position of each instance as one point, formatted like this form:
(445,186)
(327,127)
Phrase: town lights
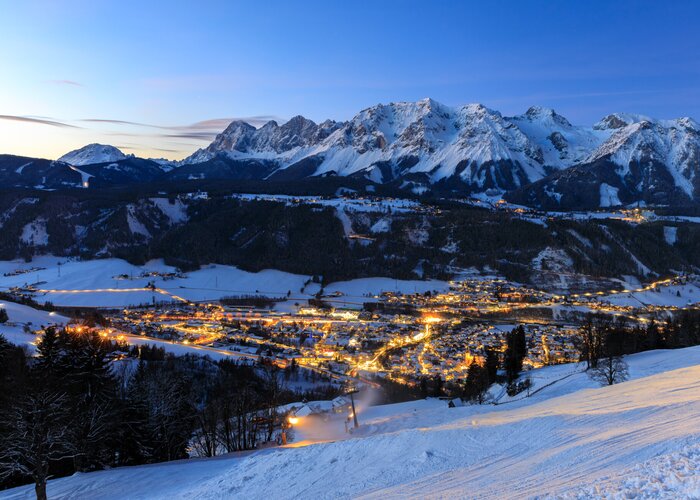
(293,420)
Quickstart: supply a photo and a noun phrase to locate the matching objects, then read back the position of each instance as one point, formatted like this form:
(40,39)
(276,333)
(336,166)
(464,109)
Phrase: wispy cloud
(165,150)
(207,130)
(214,124)
(38,121)
(72,83)
(200,136)
(222,123)
(201,131)
(116,122)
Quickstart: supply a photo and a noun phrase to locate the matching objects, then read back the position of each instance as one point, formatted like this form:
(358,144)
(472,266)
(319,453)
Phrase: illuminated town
(401,337)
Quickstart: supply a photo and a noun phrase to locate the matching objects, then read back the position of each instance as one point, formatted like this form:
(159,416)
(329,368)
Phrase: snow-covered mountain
(467,149)
(562,143)
(473,145)
(537,158)
(675,144)
(642,160)
(92,154)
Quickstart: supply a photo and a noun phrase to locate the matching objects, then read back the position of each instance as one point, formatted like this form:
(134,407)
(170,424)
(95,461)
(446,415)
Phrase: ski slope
(638,439)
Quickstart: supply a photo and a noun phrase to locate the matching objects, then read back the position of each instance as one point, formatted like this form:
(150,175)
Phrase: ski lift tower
(351,392)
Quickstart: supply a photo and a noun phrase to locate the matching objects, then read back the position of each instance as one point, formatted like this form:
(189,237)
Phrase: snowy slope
(636,439)
(91,154)
(19,316)
(115,282)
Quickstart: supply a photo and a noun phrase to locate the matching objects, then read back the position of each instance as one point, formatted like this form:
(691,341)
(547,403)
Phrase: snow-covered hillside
(20,316)
(116,283)
(638,439)
(92,154)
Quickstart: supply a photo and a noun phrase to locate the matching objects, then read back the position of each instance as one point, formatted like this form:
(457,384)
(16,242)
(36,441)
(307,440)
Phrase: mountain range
(537,159)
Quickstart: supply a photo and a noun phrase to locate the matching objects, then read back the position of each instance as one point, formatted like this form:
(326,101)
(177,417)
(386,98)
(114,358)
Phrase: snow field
(100,279)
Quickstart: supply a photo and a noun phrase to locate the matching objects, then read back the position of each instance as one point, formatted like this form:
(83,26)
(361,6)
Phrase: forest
(84,403)
(433,242)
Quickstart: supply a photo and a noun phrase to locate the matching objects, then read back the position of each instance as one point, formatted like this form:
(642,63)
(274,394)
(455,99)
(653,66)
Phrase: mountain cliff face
(472,145)
(642,161)
(537,158)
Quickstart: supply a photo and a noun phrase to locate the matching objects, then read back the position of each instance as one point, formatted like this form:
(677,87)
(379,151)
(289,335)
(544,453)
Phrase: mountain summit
(92,154)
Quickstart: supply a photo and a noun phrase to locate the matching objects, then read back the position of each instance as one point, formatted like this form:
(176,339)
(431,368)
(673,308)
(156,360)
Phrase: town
(396,336)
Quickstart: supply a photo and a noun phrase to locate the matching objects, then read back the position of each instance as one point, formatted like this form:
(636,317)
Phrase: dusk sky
(162,78)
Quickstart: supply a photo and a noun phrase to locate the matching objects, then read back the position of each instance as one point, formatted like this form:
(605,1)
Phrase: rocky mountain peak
(540,113)
(616,121)
(272,124)
(688,123)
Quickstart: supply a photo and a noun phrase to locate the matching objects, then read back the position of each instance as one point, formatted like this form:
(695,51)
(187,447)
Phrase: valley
(349,250)
(374,329)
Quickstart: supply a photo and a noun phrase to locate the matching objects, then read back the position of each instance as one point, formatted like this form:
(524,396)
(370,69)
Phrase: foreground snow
(572,439)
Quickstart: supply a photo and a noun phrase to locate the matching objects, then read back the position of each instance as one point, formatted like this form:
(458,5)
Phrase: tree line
(601,343)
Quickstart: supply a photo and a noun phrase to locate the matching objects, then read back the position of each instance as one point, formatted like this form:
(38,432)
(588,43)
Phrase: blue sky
(178,71)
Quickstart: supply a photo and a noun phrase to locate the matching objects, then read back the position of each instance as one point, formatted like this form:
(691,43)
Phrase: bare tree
(274,387)
(205,440)
(610,370)
(39,432)
(592,340)
(240,420)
